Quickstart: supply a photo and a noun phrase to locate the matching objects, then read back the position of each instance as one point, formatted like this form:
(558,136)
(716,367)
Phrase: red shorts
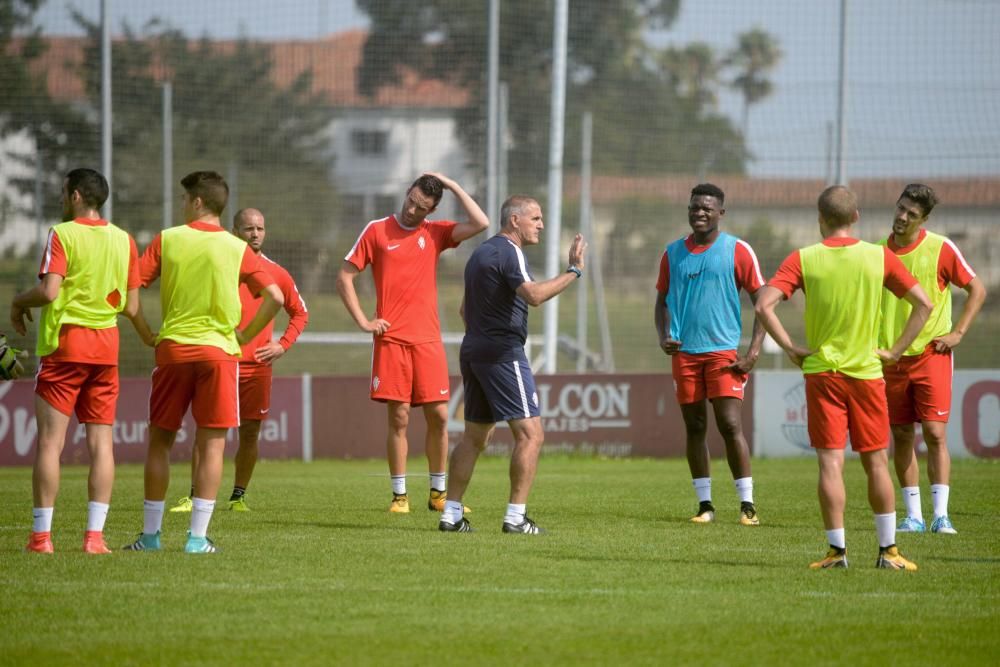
(208,387)
(255,396)
(919,387)
(91,390)
(414,374)
(701,376)
(838,405)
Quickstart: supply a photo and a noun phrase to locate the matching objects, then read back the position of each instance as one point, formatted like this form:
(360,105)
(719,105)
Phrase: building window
(369,142)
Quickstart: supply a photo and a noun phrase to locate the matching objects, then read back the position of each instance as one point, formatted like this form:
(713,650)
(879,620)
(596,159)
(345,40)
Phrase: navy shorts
(498,391)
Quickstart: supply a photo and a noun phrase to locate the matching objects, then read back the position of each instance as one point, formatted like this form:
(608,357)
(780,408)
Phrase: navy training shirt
(496,318)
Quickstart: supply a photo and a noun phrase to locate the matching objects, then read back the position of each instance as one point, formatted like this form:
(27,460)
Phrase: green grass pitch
(319,573)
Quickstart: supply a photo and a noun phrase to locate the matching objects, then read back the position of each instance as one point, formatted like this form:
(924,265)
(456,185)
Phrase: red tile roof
(981,192)
(334,62)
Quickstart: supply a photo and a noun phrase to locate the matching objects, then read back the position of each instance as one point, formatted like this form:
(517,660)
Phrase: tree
(644,121)
(26,106)
(694,71)
(755,55)
(228,116)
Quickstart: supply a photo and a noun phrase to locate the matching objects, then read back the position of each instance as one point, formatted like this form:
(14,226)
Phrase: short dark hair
(210,186)
(91,185)
(514,205)
(430,186)
(709,190)
(921,195)
(837,206)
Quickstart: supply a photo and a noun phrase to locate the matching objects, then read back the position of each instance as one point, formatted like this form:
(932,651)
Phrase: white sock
(41,519)
(939,497)
(97,513)
(201,514)
(515,514)
(836,538)
(152,516)
(453,511)
(438,481)
(744,487)
(911,500)
(885,529)
(703,487)
(398,484)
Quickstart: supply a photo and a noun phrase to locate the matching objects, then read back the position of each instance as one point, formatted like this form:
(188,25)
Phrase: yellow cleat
(705,514)
(889,558)
(183,505)
(748,515)
(834,558)
(400,504)
(435,502)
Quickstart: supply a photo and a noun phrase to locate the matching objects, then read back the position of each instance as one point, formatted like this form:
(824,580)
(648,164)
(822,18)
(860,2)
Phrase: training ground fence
(320,113)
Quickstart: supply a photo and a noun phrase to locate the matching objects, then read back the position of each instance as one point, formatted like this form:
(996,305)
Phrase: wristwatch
(574,269)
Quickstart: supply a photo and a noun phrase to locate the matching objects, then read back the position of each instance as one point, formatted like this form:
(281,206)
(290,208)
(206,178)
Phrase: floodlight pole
(492,117)
(168,154)
(586,132)
(106,102)
(553,215)
(842,100)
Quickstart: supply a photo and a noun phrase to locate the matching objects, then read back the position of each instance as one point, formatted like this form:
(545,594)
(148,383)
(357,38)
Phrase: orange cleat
(93,543)
(40,543)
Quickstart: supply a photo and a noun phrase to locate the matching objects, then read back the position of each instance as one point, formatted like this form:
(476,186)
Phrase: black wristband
(573,269)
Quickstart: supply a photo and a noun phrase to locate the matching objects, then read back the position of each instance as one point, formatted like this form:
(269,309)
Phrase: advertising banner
(973,422)
(280,433)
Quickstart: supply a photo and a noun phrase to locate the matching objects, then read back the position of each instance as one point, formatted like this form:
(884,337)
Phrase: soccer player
(918,387)
(256,358)
(89,274)
(842,279)
(409,367)
(198,347)
(496,374)
(697,317)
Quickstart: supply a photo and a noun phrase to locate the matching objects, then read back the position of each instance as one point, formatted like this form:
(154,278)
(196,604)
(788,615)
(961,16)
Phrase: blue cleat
(911,525)
(942,524)
(199,545)
(144,543)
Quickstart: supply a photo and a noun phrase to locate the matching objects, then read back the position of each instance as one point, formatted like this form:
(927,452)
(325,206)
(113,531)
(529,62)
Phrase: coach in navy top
(496,376)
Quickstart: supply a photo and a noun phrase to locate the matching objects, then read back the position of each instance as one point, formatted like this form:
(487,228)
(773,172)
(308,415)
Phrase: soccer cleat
(889,558)
(183,505)
(144,543)
(239,505)
(834,558)
(199,545)
(93,542)
(910,525)
(706,513)
(40,543)
(942,524)
(400,504)
(463,526)
(436,501)
(748,515)
(526,527)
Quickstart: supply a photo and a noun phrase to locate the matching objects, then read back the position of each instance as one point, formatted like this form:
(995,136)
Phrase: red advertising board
(281,433)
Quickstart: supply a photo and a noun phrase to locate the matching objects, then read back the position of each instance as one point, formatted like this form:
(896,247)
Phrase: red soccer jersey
(747,270)
(952,267)
(252,274)
(295,306)
(77,343)
(404,265)
(788,277)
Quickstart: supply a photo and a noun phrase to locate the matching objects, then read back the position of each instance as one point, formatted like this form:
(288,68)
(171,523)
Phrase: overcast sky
(923,98)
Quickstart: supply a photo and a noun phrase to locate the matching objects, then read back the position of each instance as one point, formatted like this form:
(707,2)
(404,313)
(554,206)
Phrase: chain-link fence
(321,113)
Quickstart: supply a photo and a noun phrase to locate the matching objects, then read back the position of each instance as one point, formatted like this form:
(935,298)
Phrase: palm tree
(695,71)
(756,53)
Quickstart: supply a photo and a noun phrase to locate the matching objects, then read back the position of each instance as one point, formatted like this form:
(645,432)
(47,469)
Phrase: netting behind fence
(320,114)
